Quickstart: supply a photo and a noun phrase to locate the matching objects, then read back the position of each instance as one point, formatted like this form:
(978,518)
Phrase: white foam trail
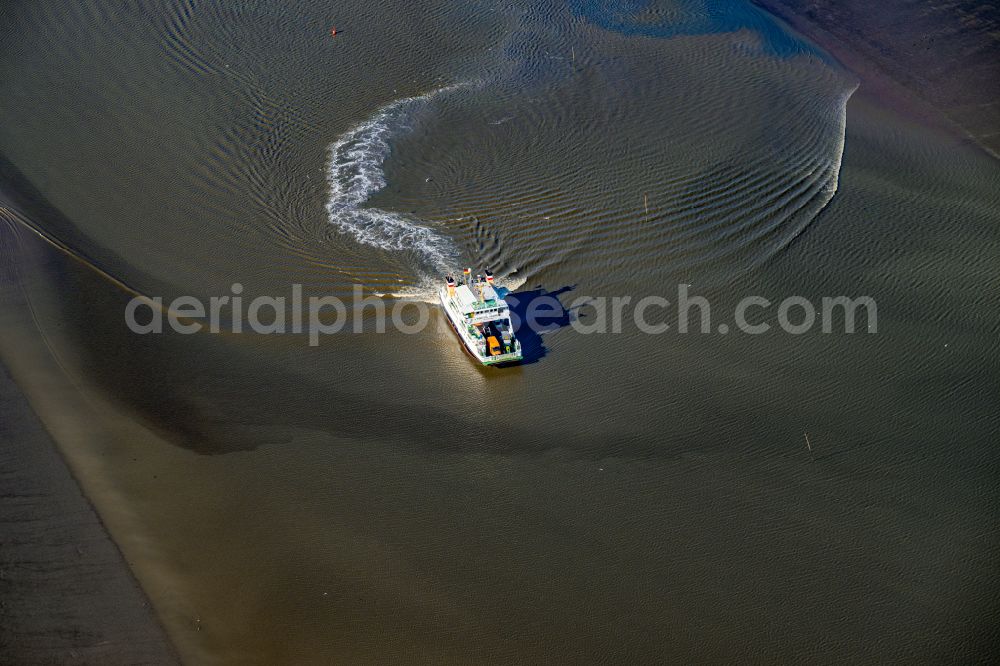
(356,173)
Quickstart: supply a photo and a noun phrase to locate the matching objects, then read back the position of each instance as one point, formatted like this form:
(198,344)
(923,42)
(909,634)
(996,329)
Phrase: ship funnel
(451,286)
(489,276)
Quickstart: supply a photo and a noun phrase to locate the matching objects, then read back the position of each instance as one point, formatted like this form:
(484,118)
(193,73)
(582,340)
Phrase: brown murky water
(623,496)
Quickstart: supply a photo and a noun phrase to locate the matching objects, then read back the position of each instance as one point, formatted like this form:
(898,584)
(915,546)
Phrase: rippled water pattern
(622,498)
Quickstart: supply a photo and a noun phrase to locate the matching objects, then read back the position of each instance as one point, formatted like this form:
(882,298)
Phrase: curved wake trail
(831,178)
(841,141)
(356,173)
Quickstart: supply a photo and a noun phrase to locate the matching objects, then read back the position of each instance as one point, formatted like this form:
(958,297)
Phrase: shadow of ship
(549,314)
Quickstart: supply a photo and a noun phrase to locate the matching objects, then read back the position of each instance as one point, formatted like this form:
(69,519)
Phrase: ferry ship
(481,318)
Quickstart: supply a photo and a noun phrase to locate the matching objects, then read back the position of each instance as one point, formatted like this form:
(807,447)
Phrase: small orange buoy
(333,32)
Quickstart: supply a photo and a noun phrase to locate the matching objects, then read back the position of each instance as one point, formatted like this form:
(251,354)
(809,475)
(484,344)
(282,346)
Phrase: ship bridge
(478,310)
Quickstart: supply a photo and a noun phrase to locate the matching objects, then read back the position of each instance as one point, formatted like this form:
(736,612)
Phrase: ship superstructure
(481,318)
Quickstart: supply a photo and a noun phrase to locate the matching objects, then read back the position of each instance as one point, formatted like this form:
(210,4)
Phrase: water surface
(626,496)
